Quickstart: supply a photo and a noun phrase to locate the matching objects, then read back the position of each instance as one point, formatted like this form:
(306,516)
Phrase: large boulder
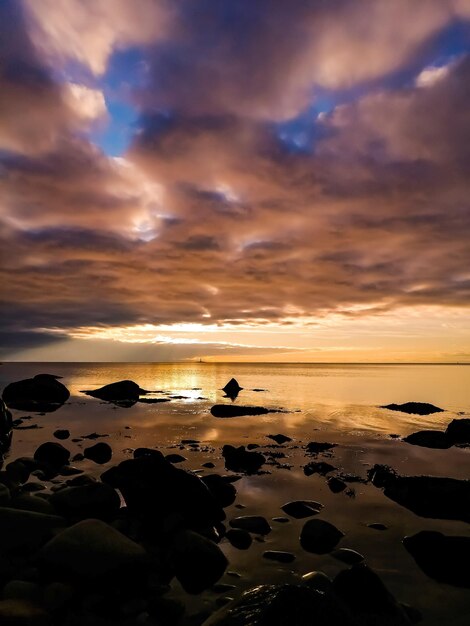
(414,408)
(443,558)
(319,536)
(43,393)
(121,391)
(232,389)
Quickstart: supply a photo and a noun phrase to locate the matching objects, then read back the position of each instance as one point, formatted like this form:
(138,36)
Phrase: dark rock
(223,491)
(427,496)
(43,393)
(25,530)
(315,447)
(240,539)
(348,556)
(458,431)
(52,454)
(121,391)
(197,562)
(18,612)
(6,425)
(279,556)
(95,500)
(302,508)
(441,557)
(281,520)
(175,458)
(429,439)
(252,446)
(414,408)
(317,580)
(241,460)
(62,434)
(92,551)
(377,526)
(139,452)
(99,453)
(319,536)
(336,485)
(93,436)
(209,465)
(27,502)
(279,438)
(233,410)
(166,611)
(18,472)
(232,389)
(153,400)
(252,523)
(318,467)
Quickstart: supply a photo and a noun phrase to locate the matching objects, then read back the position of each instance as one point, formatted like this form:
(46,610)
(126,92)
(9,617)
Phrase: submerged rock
(414,408)
(43,393)
(241,460)
(99,453)
(252,523)
(429,439)
(120,391)
(233,410)
(319,536)
(443,558)
(302,508)
(427,496)
(232,388)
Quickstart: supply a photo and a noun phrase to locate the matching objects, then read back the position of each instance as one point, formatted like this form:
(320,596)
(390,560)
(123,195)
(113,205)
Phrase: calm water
(338,403)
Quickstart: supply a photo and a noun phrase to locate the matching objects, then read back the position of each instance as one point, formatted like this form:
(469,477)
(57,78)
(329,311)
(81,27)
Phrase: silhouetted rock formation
(427,496)
(252,523)
(302,508)
(52,454)
(241,460)
(315,447)
(43,393)
(416,408)
(280,439)
(319,536)
(123,392)
(232,389)
(99,453)
(457,433)
(446,559)
(231,410)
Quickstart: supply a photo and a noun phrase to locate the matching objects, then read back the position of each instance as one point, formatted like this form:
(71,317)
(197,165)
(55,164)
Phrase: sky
(262,180)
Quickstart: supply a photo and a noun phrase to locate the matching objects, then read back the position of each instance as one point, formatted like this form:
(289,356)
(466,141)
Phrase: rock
(302,508)
(95,500)
(26,530)
(429,439)
(197,562)
(441,557)
(241,460)
(4,495)
(348,556)
(232,388)
(233,410)
(317,580)
(16,612)
(318,467)
(414,408)
(92,551)
(21,590)
(121,391)
(43,393)
(279,438)
(6,426)
(18,472)
(252,523)
(175,458)
(240,539)
(458,431)
(26,502)
(315,447)
(319,536)
(279,556)
(377,526)
(62,434)
(209,465)
(99,453)
(427,496)
(281,520)
(363,592)
(52,454)
(336,485)
(223,491)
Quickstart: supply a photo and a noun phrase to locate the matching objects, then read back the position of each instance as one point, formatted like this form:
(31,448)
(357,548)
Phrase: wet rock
(377,526)
(279,555)
(6,425)
(94,436)
(302,508)
(280,439)
(336,485)
(241,460)
(197,562)
(429,439)
(427,496)
(99,453)
(316,447)
(27,502)
(318,467)
(414,408)
(25,530)
(281,520)
(43,393)
(233,410)
(223,491)
(18,612)
(319,536)
(458,431)
(95,500)
(153,400)
(121,391)
(252,446)
(62,434)
(18,472)
(346,555)
(52,454)
(441,557)
(92,551)
(317,580)
(240,539)
(175,458)
(252,523)
(209,465)
(232,388)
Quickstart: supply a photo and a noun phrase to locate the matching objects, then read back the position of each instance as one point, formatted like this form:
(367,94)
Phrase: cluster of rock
(457,433)
(43,393)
